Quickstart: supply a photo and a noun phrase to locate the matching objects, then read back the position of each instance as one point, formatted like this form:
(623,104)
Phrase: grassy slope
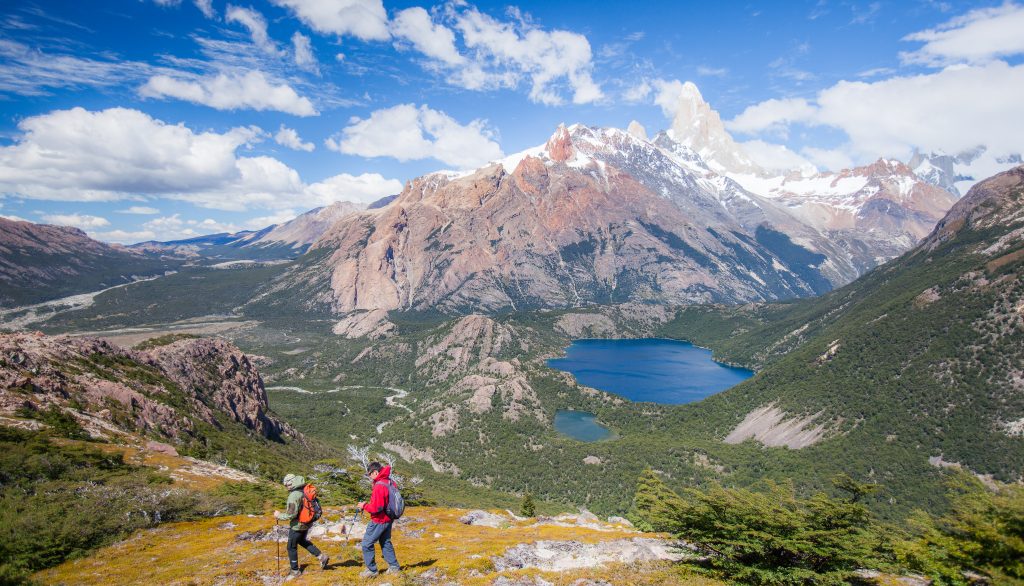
(207,552)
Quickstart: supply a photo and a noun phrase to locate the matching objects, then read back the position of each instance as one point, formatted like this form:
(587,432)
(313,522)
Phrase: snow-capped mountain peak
(697,126)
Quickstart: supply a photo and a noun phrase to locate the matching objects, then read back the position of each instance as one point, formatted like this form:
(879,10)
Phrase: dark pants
(378,533)
(295,539)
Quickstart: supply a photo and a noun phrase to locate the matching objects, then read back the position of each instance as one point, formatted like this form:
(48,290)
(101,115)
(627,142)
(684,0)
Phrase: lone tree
(528,509)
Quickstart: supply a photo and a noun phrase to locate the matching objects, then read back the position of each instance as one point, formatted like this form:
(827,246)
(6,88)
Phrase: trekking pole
(352,523)
(277,540)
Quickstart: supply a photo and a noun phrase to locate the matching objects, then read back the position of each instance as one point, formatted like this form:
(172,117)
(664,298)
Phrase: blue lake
(581,425)
(653,370)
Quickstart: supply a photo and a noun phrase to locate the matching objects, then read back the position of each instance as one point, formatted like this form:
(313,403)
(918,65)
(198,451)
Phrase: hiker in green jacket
(296,529)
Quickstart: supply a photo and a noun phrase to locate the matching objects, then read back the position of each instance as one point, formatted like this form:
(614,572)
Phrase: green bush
(62,501)
(164,340)
(772,537)
(61,424)
(983,533)
(528,509)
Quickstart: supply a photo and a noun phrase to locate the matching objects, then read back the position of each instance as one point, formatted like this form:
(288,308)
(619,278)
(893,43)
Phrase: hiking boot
(368,574)
(393,570)
(323,560)
(293,575)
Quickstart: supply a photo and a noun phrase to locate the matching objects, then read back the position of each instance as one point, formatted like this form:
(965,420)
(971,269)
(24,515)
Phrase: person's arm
(291,510)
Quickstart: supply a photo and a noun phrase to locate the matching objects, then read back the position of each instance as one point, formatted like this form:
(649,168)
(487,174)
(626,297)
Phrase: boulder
(478,517)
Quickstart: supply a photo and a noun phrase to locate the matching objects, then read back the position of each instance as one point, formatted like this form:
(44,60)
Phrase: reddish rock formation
(161,393)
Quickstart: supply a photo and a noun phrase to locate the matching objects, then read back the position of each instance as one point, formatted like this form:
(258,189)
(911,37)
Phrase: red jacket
(379,497)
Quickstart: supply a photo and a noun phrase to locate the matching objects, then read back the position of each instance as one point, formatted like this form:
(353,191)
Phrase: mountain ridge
(41,262)
(732,245)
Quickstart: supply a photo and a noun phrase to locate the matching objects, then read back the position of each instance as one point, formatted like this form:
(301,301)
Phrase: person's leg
(370,538)
(293,550)
(308,545)
(387,549)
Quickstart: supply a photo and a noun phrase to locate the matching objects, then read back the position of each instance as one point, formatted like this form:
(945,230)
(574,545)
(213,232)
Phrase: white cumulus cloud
(79,155)
(952,110)
(123,154)
(772,115)
(407,132)
(363,19)
(362,188)
(434,40)
(508,52)
(776,157)
(84,221)
(833,159)
(289,137)
(476,51)
(972,99)
(979,36)
(230,91)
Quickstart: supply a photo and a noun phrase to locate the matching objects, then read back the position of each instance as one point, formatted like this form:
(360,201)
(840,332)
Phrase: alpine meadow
(470,293)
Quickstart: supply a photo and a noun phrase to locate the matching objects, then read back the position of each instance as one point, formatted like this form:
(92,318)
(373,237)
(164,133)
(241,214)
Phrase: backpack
(395,507)
(310,510)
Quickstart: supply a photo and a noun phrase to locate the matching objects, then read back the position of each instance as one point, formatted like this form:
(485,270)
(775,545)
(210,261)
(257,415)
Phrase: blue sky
(143,119)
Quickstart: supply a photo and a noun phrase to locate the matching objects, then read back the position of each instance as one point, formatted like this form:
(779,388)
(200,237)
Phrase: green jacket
(292,508)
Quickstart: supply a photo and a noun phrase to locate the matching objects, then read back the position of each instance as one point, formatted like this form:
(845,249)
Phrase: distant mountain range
(285,240)
(41,262)
(601,215)
(594,215)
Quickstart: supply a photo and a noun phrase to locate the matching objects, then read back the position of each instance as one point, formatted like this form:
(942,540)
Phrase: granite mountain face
(591,217)
(602,215)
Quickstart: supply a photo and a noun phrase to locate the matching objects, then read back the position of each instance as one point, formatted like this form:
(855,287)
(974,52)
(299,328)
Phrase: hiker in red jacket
(378,530)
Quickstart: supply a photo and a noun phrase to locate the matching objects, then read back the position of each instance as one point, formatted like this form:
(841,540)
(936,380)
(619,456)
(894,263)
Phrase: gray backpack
(396,504)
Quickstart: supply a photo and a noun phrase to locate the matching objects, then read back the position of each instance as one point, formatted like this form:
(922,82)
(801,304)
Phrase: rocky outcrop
(161,393)
(412,454)
(558,556)
(366,324)
(478,517)
(472,339)
(222,377)
(996,200)
(773,427)
(591,325)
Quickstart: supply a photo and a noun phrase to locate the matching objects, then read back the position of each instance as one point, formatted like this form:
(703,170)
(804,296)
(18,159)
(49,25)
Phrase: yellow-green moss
(207,552)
